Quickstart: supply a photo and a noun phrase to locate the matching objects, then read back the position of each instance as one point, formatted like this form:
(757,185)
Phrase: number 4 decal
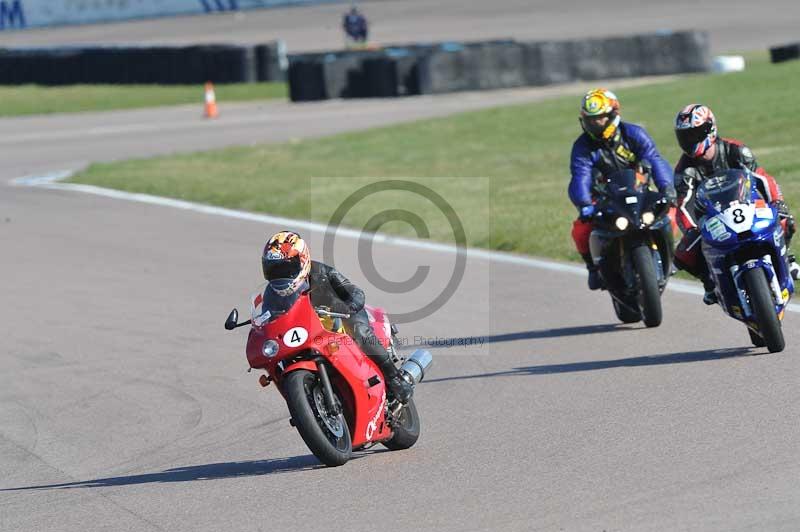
(295,337)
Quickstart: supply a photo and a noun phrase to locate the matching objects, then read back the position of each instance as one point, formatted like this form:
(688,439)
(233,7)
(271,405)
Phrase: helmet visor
(689,138)
(596,125)
(281,269)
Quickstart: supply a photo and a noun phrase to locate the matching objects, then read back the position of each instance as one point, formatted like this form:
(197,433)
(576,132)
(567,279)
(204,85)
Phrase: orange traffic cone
(211,101)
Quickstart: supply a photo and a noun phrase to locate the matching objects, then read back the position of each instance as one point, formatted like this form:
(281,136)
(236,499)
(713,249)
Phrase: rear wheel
(761,301)
(649,294)
(405,429)
(326,434)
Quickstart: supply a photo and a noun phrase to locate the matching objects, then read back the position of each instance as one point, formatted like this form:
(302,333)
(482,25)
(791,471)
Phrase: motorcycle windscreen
(726,188)
(267,303)
(626,189)
(626,182)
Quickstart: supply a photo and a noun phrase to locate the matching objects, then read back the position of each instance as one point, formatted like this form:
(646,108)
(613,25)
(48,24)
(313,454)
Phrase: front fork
(764,263)
(327,389)
(600,246)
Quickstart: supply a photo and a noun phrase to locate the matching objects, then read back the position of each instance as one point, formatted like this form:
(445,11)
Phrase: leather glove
(670,196)
(783,209)
(587,211)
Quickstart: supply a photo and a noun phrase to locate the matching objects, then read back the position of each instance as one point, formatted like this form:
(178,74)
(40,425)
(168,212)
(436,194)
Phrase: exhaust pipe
(415,366)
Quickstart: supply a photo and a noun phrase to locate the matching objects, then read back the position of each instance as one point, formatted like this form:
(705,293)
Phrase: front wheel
(769,326)
(756,340)
(405,429)
(326,434)
(625,313)
(649,294)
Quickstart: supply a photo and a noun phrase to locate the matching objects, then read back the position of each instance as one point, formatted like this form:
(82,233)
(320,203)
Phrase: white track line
(52,179)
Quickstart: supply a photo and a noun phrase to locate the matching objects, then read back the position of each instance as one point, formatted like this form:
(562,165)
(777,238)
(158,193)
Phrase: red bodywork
(363,403)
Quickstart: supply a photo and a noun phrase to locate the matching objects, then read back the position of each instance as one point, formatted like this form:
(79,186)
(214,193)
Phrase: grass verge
(504,170)
(36,99)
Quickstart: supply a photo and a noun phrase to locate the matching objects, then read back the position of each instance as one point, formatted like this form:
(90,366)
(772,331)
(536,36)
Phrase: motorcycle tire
(649,294)
(405,433)
(756,339)
(769,326)
(625,314)
(331,449)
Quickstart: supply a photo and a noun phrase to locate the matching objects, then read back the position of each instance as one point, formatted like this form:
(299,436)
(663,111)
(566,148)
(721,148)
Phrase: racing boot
(595,282)
(399,388)
(794,269)
(710,297)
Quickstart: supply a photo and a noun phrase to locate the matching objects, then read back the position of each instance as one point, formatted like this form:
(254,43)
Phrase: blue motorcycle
(744,246)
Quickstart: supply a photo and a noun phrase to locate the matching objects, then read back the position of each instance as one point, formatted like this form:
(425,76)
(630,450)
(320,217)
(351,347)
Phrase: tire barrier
(145,65)
(425,68)
(472,66)
(603,59)
(271,61)
(547,63)
(448,69)
(306,80)
(433,68)
(674,53)
(392,75)
(345,75)
(787,52)
(496,65)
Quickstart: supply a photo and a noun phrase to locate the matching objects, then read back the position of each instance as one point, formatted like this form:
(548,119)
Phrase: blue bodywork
(740,232)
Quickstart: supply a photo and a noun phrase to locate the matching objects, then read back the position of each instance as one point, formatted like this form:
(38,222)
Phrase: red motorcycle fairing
(301,338)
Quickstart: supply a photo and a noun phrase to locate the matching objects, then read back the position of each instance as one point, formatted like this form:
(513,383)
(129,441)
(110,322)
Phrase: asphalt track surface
(734,25)
(124,405)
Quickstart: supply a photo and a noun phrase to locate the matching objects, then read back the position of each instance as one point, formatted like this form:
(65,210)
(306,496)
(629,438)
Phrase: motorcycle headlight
(648,218)
(621,223)
(270,348)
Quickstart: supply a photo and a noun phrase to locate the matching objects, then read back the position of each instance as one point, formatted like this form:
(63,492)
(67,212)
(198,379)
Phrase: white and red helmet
(696,129)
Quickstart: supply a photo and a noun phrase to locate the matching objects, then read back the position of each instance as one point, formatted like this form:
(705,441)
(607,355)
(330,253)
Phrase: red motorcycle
(336,394)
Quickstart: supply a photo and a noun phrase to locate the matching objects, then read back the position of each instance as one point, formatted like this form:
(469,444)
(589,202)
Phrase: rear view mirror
(233,317)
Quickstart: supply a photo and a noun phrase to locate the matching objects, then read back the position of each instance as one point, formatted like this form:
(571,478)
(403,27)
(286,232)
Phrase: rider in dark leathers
(704,155)
(286,264)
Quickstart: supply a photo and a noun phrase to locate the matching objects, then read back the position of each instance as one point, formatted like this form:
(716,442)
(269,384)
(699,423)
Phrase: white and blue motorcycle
(744,246)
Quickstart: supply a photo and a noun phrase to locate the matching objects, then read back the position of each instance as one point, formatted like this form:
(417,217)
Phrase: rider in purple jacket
(606,145)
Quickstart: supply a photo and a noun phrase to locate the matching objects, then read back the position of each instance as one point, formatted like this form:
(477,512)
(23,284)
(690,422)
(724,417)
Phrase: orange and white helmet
(286,262)
(696,129)
(597,104)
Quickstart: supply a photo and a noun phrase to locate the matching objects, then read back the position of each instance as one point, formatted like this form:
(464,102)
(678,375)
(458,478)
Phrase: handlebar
(325,312)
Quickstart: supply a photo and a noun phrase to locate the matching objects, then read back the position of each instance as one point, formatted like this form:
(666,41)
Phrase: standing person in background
(355,26)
